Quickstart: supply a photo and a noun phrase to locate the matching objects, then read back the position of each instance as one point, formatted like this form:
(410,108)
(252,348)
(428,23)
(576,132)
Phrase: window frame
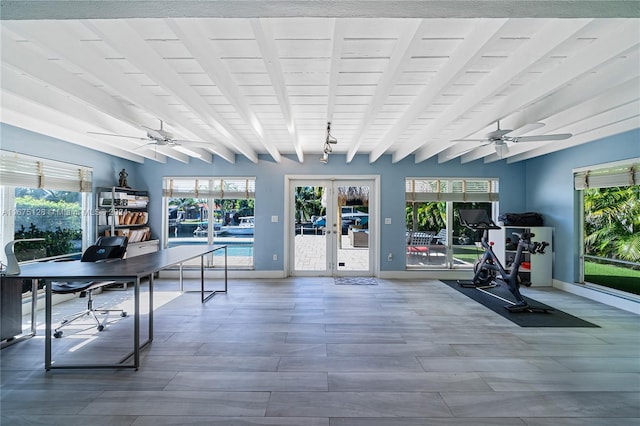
(621,173)
(451,190)
(19,170)
(209,188)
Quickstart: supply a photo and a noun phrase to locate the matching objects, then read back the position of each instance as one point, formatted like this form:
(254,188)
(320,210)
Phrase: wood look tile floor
(307,352)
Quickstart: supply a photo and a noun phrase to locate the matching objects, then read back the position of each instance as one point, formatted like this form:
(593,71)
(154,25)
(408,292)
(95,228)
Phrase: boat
(245,227)
(354,218)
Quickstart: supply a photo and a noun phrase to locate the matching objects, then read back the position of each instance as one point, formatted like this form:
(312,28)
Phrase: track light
(330,140)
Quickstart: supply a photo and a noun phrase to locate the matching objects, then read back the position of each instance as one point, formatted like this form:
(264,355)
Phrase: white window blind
(608,176)
(26,171)
(451,189)
(232,188)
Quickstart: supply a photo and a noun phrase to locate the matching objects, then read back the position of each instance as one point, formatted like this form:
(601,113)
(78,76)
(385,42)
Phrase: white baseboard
(219,274)
(427,275)
(239,273)
(625,303)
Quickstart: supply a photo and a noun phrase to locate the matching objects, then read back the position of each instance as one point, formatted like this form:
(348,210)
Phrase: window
(212,210)
(610,213)
(435,238)
(46,199)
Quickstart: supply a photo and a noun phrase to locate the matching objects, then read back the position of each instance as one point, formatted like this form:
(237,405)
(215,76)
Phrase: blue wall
(543,184)
(549,187)
(105,167)
(270,197)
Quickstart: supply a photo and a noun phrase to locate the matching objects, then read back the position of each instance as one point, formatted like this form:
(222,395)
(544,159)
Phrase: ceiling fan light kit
(500,137)
(502,149)
(158,137)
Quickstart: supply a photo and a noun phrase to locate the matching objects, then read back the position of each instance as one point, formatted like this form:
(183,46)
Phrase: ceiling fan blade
(119,136)
(556,137)
(145,145)
(469,140)
(527,128)
(198,144)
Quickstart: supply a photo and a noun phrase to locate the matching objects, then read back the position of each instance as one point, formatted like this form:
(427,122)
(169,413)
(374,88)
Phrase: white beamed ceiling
(268,86)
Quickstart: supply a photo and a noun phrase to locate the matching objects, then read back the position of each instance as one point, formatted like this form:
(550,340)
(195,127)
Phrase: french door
(331,227)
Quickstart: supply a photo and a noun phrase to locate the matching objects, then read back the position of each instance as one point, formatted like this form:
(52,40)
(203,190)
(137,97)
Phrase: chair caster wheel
(123,314)
(57,334)
(100,327)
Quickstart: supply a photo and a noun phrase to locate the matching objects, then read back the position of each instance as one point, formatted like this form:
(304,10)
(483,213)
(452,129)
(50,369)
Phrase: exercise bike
(489,272)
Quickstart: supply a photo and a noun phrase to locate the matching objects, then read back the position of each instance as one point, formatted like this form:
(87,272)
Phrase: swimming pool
(234,248)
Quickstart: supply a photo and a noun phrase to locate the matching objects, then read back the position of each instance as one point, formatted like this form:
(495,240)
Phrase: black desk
(125,270)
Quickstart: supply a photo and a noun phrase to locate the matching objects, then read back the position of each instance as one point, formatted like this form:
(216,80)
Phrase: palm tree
(430,216)
(612,222)
(308,201)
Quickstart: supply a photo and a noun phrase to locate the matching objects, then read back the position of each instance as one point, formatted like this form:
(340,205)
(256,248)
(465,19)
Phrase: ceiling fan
(158,137)
(500,137)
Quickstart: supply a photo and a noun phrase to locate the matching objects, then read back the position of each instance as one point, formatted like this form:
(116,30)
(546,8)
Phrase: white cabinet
(536,269)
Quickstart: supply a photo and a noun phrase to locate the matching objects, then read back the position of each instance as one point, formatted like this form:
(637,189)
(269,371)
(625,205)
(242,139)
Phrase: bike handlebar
(525,236)
(524,239)
(533,248)
(536,248)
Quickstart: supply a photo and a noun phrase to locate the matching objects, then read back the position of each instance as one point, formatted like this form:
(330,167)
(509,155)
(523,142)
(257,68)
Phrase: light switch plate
(274,219)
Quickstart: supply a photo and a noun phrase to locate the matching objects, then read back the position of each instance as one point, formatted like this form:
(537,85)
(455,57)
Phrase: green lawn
(624,279)
(467,254)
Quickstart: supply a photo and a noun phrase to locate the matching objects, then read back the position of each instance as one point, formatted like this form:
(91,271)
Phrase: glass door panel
(331,227)
(426,234)
(352,212)
(310,227)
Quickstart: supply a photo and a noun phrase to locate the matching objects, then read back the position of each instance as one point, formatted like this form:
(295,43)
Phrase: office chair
(104,249)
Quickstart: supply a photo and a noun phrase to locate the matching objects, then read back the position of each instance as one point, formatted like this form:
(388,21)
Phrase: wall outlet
(275,256)
(390,257)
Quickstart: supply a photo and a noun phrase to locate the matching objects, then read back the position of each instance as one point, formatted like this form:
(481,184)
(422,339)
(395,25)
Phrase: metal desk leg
(34,305)
(47,331)
(212,292)
(202,278)
(150,309)
(225,269)
(136,325)
(180,279)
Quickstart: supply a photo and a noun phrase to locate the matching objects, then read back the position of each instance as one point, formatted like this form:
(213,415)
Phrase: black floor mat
(553,318)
